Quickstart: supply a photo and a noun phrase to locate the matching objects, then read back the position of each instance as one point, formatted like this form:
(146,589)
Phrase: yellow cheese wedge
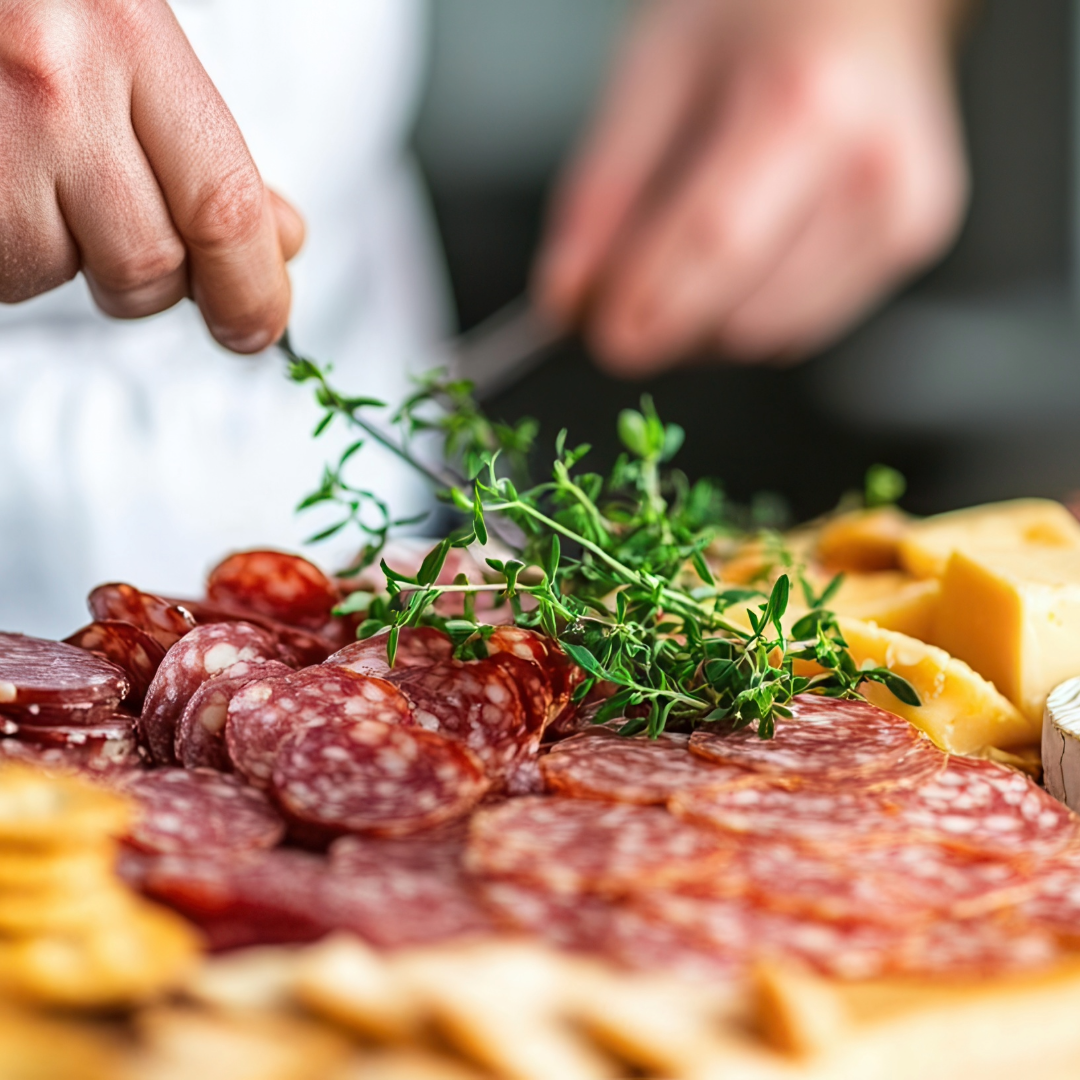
(863,540)
(960,710)
(893,600)
(1035,524)
(1014,616)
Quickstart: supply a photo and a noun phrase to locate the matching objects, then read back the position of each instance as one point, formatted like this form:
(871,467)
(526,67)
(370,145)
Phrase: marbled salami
(419,646)
(122,643)
(34,671)
(266,711)
(578,845)
(637,769)
(165,621)
(204,652)
(368,776)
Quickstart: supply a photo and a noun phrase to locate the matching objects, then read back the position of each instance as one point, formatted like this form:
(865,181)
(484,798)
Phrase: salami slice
(541,698)
(165,621)
(577,845)
(368,776)
(200,734)
(271,583)
(58,715)
(129,648)
(603,765)
(265,712)
(118,730)
(436,850)
(1055,902)
(91,757)
(478,704)
(420,646)
(204,652)
(828,739)
(34,671)
(199,811)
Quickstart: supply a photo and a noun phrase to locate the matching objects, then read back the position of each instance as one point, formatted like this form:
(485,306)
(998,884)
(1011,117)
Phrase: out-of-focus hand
(761,172)
(121,160)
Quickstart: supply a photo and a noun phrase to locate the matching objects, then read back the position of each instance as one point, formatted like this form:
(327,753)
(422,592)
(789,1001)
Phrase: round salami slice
(1055,901)
(578,845)
(204,652)
(565,677)
(602,765)
(282,587)
(419,646)
(986,809)
(263,713)
(436,850)
(534,689)
(898,883)
(368,776)
(165,621)
(57,715)
(477,703)
(829,739)
(34,671)
(93,758)
(129,648)
(118,730)
(200,734)
(199,811)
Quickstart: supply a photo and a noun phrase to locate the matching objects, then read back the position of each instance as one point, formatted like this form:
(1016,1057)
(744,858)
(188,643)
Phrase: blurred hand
(760,174)
(121,160)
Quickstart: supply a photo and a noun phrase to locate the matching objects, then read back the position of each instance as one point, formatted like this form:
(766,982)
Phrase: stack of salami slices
(289,784)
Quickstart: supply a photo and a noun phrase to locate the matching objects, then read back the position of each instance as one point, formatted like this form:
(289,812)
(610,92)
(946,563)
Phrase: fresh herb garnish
(614,567)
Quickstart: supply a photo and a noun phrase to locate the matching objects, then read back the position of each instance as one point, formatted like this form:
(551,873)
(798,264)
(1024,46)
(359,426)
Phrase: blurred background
(969,383)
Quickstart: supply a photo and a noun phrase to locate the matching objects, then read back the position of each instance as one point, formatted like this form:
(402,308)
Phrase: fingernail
(252,342)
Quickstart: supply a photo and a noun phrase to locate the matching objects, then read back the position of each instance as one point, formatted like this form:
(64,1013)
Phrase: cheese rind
(1039,525)
(1014,616)
(960,711)
(1061,743)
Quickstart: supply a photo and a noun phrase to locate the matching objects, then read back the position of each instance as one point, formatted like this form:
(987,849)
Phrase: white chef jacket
(141,451)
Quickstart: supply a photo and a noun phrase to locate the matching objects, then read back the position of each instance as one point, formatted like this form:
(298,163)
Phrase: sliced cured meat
(265,712)
(828,819)
(988,809)
(204,652)
(829,739)
(477,703)
(636,769)
(272,583)
(200,734)
(106,746)
(257,898)
(566,677)
(199,811)
(541,699)
(435,850)
(296,646)
(1055,903)
(34,671)
(419,646)
(58,715)
(165,621)
(896,883)
(534,689)
(118,730)
(578,845)
(129,648)
(368,776)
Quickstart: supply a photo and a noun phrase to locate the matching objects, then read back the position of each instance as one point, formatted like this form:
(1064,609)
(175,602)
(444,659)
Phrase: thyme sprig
(612,567)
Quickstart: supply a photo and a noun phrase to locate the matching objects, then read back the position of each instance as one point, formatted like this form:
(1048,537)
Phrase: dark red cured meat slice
(165,621)
(200,734)
(420,646)
(637,769)
(373,777)
(526,646)
(199,811)
(578,845)
(740,930)
(477,703)
(34,671)
(118,729)
(898,883)
(828,739)
(125,645)
(534,690)
(566,677)
(437,850)
(204,652)
(258,898)
(58,715)
(272,583)
(988,809)
(266,711)
(1055,903)
(108,746)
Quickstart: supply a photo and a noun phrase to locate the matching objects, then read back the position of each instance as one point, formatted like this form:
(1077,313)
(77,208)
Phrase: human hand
(760,173)
(123,161)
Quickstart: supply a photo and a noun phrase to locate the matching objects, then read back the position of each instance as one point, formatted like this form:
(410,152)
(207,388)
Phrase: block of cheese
(893,600)
(959,709)
(862,540)
(1034,524)
(1014,616)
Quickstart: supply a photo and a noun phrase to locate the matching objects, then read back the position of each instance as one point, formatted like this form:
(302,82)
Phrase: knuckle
(811,86)
(141,266)
(40,57)
(230,212)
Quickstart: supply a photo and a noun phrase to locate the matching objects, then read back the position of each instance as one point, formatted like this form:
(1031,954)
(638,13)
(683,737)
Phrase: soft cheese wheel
(1061,743)
(1036,525)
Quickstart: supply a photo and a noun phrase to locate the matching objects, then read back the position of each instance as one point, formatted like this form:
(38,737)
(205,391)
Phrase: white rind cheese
(1061,743)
